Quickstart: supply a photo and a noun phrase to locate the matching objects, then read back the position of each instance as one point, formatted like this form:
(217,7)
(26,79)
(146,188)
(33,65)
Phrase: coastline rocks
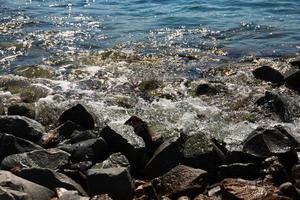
(79,115)
(295,62)
(35,71)
(114,160)
(9,144)
(289,190)
(64,194)
(263,142)
(122,138)
(14,84)
(50,179)
(79,136)
(209,89)
(248,171)
(292,80)
(166,157)
(45,158)
(181,181)
(14,188)
(94,150)
(116,182)
(268,74)
(22,127)
(2,111)
(32,93)
(25,110)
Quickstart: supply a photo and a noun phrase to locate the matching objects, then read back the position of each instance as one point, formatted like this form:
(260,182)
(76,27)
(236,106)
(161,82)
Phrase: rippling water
(32,31)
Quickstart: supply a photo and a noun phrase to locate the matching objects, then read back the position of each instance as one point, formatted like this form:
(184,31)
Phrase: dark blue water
(32,31)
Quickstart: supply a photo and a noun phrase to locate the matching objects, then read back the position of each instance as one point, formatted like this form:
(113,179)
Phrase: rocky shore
(242,140)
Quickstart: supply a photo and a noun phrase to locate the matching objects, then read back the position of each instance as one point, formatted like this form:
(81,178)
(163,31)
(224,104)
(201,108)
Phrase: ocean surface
(33,31)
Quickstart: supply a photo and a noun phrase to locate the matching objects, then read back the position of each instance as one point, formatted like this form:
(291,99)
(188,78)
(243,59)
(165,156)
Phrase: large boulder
(50,179)
(268,74)
(181,181)
(22,127)
(166,157)
(79,115)
(263,142)
(122,138)
(10,144)
(45,158)
(15,188)
(94,150)
(116,182)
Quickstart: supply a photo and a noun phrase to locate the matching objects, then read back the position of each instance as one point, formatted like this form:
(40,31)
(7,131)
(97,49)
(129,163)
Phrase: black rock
(67,128)
(289,190)
(122,138)
(268,74)
(295,63)
(114,160)
(206,89)
(274,171)
(45,158)
(285,107)
(249,171)
(2,111)
(166,157)
(10,144)
(264,142)
(242,157)
(25,110)
(79,115)
(116,182)
(15,188)
(292,79)
(296,175)
(50,179)
(94,150)
(22,127)
(78,136)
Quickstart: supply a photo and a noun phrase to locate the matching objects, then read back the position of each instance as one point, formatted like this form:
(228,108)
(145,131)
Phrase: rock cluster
(124,161)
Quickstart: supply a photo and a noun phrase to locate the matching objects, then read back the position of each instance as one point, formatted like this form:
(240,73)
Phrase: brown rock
(203,197)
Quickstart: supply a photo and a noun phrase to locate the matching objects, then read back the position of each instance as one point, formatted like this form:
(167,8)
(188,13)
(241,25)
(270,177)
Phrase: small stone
(45,158)
(268,74)
(116,182)
(181,181)
(64,194)
(79,115)
(203,197)
(22,127)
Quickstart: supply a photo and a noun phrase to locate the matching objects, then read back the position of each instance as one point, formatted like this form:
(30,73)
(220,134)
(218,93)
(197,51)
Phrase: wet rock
(15,188)
(2,111)
(295,62)
(50,179)
(247,171)
(45,158)
(207,89)
(289,190)
(292,79)
(33,93)
(200,152)
(242,157)
(116,182)
(14,84)
(181,181)
(239,189)
(79,115)
(296,175)
(94,150)
(285,107)
(203,197)
(160,163)
(263,142)
(274,171)
(22,127)
(268,74)
(145,191)
(183,198)
(64,194)
(36,71)
(122,138)
(101,197)
(25,110)
(114,160)
(9,144)
(79,136)
(148,85)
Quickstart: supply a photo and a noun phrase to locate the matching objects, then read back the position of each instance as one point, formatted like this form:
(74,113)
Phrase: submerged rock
(150,84)
(79,115)
(35,71)
(181,180)
(50,179)
(22,127)
(263,142)
(33,93)
(14,84)
(116,182)
(15,188)
(26,110)
(269,74)
(9,144)
(122,138)
(44,158)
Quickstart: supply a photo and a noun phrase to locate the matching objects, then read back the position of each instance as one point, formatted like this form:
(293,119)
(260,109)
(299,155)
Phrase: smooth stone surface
(50,179)
(268,74)
(116,182)
(79,115)
(10,144)
(45,158)
(22,127)
(14,187)
(181,181)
